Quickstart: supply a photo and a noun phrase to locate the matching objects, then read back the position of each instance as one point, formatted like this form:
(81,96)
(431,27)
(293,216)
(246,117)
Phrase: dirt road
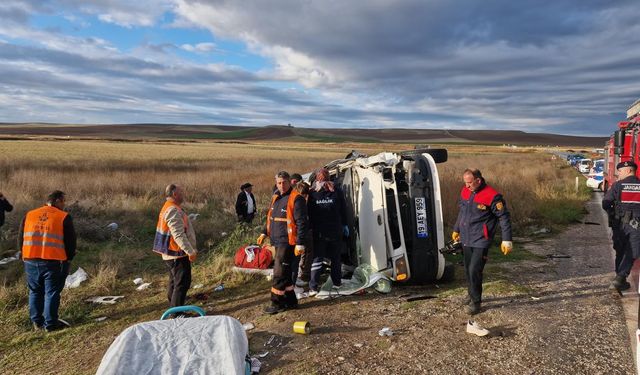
(557,317)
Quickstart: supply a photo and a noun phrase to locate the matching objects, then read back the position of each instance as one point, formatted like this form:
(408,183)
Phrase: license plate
(421,218)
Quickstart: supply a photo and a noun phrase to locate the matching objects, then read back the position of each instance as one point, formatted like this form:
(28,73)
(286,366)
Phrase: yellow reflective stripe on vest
(41,234)
(44,243)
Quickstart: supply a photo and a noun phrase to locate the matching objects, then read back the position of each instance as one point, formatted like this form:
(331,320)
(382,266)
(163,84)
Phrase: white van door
(371,218)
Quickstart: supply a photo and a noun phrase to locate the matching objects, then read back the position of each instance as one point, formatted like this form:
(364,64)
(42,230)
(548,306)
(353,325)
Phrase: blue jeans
(45,279)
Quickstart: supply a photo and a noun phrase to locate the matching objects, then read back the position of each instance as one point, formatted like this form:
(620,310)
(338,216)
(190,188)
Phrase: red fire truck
(623,145)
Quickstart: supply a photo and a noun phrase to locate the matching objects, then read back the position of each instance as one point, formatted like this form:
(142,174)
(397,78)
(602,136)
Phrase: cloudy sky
(559,66)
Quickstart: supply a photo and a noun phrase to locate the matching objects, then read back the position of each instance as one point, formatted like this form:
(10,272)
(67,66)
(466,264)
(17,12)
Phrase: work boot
(60,324)
(620,284)
(466,301)
(475,329)
(274,309)
(473,308)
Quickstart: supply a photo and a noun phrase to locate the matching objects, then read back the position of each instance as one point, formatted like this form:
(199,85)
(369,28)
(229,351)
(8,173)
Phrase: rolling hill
(289,133)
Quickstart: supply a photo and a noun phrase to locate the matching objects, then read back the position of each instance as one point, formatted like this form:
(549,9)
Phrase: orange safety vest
(44,234)
(292,228)
(163,242)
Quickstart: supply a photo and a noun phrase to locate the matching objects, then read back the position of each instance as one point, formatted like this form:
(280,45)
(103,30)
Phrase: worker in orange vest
(287,226)
(175,240)
(48,243)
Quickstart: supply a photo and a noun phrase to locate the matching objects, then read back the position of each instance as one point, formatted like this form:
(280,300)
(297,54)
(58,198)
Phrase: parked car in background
(595,177)
(572,159)
(584,165)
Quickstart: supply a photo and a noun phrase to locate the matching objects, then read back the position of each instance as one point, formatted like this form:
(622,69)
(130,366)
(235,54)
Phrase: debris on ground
(8,260)
(197,286)
(358,345)
(105,300)
(248,326)
(219,288)
(535,298)
(255,365)
(101,319)
(542,231)
(74,280)
(138,281)
(112,226)
(270,340)
(558,256)
(268,273)
(143,286)
(193,217)
(302,327)
(386,331)
(262,355)
(363,278)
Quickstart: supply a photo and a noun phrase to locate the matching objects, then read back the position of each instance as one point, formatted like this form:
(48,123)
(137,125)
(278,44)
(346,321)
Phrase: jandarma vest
(163,242)
(292,229)
(44,234)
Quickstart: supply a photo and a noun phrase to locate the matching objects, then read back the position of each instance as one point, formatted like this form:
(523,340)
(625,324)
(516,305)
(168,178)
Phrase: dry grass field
(122,182)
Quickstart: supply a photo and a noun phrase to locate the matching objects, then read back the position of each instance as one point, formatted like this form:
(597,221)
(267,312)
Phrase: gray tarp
(203,345)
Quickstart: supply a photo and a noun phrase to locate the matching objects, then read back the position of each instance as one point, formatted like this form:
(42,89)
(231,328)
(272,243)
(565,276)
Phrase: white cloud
(199,48)
(406,63)
(124,13)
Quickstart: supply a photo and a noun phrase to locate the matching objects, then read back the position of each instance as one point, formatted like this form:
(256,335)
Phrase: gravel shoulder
(556,316)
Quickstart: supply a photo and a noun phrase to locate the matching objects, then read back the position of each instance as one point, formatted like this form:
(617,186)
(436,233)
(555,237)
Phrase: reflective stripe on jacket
(292,228)
(43,236)
(164,242)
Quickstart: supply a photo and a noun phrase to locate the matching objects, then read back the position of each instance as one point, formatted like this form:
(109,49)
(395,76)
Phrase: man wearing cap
(623,202)
(246,204)
(481,207)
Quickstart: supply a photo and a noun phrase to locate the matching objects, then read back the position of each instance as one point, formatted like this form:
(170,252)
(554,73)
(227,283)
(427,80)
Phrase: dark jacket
(622,201)
(242,204)
(4,206)
(478,216)
(68,232)
(279,235)
(327,213)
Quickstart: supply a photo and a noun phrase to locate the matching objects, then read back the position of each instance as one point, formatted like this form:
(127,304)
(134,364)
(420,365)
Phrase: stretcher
(199,345)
